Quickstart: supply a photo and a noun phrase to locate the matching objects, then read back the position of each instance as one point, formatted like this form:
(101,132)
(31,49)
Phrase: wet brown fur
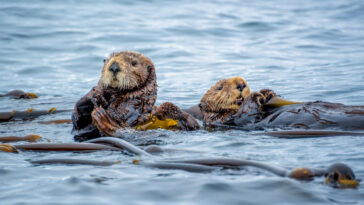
(217,110)
(185,120)
(222,96)
(224,100)
(124,99)
(127,98)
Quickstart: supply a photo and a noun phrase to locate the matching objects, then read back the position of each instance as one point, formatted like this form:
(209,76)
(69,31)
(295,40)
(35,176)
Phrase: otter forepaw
(170,110)
(268,94)
(98,100)
(191,123)
(258,98)
(104,122)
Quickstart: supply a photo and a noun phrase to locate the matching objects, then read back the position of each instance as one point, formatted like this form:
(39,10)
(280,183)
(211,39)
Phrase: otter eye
(220,87)
(134,63)
(104,60)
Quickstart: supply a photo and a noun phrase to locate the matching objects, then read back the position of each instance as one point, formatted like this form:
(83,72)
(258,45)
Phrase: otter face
(126,70)
(225,95)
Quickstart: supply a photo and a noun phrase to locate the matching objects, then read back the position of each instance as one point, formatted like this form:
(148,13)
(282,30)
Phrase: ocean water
(304,50)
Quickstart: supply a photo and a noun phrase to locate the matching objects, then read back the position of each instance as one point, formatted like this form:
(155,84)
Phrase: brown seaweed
(26,115)
(19,94)
(29,138)
(309,133)
(65,147)
(176,165)
(74,161)
(65,121)
(120,143)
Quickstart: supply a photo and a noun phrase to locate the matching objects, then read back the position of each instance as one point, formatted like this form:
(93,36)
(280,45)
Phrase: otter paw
(168,110)
(258,98)
(268,94)
(98,100)
(191,123)
(104,122)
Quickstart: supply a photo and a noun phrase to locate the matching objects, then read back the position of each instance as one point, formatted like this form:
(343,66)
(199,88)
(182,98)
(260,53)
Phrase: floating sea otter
(229,102)
(124,97)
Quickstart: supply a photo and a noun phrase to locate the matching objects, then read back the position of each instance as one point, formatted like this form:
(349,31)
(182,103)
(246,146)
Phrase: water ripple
(307,50)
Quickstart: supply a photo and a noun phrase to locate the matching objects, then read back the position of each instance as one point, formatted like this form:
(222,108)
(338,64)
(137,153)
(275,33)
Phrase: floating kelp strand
(29,138)
(179,166)
(65,147)
(74,161)
(309,133)
(120,143)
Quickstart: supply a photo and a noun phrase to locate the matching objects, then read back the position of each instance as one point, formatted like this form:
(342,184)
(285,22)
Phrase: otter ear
(104,60)
(150,67)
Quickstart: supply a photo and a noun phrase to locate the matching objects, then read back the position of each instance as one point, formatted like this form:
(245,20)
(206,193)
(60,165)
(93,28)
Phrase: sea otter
(230,103)
(123,98)
(221,102)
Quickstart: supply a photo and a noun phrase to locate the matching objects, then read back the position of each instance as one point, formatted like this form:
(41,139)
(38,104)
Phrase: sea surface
(304,50)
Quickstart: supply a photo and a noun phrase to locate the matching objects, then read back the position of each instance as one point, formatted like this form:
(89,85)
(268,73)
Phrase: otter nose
(114,67)
(241,86)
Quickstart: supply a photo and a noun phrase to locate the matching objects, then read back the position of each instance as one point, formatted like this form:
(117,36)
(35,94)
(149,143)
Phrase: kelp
(28,114)
(292,134)
(8,148)
(155,123)
(18,94)
(278,102)
(74,162)
(120,143)
(29,138)
(65,121)
(65,147)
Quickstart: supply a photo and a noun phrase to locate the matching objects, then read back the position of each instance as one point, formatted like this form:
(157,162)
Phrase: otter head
(225,95)
(127,71)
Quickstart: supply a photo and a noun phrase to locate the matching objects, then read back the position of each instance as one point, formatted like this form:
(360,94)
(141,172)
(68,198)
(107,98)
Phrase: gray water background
(304,50)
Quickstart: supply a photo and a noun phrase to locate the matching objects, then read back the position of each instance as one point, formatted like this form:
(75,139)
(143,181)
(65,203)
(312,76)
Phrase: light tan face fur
(225,95)
(134,70)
